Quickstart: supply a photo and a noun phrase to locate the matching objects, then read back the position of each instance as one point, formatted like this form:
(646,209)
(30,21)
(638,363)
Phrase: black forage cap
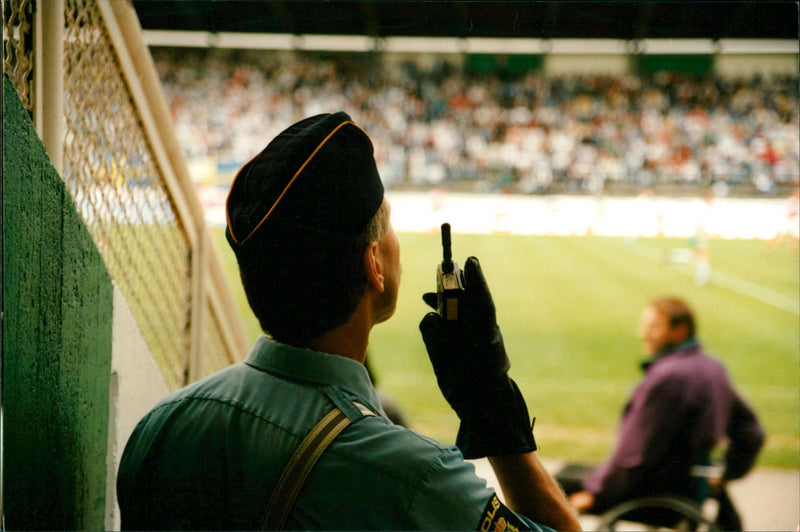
(316,179)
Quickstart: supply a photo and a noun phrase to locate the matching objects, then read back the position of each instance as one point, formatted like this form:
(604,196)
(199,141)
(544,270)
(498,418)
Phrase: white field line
(730,282)
(755,291)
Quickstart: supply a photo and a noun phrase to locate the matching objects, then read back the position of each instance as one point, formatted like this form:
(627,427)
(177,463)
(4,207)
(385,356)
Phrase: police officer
(320,264)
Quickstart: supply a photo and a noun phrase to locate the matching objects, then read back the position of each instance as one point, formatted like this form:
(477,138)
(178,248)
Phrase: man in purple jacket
(683,407)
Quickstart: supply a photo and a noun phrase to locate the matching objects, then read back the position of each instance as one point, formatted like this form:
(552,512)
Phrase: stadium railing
(86,77)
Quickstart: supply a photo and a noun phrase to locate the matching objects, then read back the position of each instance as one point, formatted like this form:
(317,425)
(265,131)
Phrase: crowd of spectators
(434,123)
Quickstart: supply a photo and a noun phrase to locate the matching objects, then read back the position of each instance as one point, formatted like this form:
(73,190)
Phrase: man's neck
(677,346)
(349,340)
(339,342)
(668,350)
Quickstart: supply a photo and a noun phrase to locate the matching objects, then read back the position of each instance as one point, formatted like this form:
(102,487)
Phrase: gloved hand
(471,367)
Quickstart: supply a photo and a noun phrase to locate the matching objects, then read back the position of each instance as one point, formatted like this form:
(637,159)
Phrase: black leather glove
(471,367)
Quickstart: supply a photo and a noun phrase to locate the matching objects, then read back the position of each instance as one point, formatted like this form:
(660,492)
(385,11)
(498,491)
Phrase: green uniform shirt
(209,455)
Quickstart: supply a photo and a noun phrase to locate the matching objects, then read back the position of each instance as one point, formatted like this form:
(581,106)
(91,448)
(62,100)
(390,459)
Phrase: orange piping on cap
(291,181)
(228,198)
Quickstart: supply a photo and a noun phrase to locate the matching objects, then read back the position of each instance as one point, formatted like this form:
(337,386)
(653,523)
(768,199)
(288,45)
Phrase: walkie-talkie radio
(449,280)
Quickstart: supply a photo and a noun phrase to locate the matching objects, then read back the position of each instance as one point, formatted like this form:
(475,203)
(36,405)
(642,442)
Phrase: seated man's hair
(678,312)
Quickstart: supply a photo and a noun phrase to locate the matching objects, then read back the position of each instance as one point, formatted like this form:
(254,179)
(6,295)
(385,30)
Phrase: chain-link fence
(129,193)
(18,48)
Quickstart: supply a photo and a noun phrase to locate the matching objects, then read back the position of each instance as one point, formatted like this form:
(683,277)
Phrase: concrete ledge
(136,385)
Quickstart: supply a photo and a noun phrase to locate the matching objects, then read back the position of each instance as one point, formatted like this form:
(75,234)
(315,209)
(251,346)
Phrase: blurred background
(593,155)
(513,97)
(628,130)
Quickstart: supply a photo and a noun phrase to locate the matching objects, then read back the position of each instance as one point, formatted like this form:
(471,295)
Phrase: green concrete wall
(57,298)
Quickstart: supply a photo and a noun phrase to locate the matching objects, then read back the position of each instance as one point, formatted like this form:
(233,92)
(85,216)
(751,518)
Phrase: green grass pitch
(569,309)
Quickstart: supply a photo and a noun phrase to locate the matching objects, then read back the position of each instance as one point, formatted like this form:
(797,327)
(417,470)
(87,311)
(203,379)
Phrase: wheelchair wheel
(660,512)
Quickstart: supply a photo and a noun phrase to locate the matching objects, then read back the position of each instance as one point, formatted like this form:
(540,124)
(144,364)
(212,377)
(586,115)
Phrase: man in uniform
(320,264)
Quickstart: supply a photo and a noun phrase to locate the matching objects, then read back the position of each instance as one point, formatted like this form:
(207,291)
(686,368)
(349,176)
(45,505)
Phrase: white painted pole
(49,75)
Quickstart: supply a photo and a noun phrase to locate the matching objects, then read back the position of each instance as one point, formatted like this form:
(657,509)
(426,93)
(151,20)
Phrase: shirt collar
(669,350)
(314,367)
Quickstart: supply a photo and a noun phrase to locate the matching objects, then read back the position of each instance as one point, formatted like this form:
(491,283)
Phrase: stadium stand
(442,121)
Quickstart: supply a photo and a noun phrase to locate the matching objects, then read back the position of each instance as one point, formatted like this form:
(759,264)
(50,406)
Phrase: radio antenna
(447,253)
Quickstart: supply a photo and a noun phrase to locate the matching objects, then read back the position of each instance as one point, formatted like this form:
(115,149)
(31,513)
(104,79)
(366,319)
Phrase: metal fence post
(49,49)
(198,308)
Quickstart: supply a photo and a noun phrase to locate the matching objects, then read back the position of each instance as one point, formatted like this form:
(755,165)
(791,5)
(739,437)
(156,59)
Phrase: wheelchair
(663,512)
(710,508)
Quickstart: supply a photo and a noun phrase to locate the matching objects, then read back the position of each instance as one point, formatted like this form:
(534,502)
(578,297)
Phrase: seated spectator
(684,406)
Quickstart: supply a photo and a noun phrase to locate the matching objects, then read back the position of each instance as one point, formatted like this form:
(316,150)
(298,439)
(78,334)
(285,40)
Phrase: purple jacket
(682,408)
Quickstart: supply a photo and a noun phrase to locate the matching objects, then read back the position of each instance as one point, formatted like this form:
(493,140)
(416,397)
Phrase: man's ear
(373,267)
(680,332)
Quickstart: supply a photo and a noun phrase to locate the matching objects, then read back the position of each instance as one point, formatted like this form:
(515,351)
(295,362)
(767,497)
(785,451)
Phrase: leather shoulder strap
(300,464)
